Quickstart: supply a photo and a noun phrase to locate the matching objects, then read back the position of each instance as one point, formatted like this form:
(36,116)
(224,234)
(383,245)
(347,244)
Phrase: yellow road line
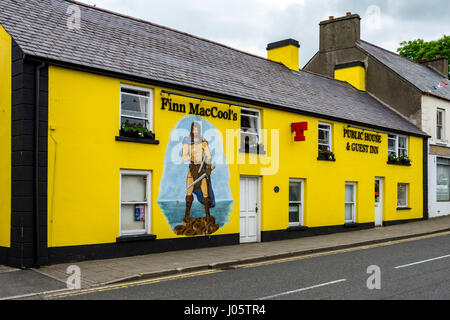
(314,255)
(248,265)
(129,284)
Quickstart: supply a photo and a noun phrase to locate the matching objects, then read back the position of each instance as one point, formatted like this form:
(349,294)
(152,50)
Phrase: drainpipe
(36,160)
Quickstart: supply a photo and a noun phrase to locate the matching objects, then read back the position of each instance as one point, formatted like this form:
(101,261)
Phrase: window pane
(440,117)
(349,212)
(324,137)
(135,105)
(402,195)
(443,176)
(391,145)
(249,124)
(294,213)
(349,194)
(134,189)
(295,191)
(132,219)
(439,133)
(377,191)
(250,113)
(443,161)
(402,142)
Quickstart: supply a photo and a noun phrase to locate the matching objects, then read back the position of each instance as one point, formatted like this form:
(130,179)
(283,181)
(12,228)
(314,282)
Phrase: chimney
(438,64)
(286,52)
(353,73)
(340,33)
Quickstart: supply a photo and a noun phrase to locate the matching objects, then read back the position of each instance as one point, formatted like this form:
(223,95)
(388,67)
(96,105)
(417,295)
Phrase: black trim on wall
(396,222)
(283,43)
(3,255)
(25,217)
(290,233)
(426,213)
(128,249)
(349,65)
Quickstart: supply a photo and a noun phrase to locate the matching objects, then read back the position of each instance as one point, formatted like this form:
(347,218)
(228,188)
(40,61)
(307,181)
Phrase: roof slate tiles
(419,75)
(131,47)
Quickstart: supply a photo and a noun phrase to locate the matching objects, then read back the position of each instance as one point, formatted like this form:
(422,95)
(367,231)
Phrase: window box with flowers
(136,132)
(326,155)
(400,160)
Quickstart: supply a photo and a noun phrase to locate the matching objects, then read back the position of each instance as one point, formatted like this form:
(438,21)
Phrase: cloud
(249,25)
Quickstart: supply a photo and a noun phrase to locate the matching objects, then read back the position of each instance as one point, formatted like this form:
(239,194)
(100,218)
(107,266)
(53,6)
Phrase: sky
(249,25)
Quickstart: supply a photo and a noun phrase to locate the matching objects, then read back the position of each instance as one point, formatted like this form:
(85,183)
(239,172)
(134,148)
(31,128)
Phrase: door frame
(381,179)
(258,202)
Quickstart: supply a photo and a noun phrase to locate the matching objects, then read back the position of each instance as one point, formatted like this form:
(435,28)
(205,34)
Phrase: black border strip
(291,233)
(134,248)
(426,213)
(283,43)
(349,65)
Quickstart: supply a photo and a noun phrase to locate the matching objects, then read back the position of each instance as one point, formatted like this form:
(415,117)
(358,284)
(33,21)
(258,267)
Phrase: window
(250,127)
(136,106)
(325,137)
(442,180)
(402,195)
(134,202)
(397,145)
(440,119)
(296,188)
(350,202)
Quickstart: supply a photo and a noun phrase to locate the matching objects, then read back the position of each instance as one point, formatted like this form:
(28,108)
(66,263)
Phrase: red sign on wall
(299,128)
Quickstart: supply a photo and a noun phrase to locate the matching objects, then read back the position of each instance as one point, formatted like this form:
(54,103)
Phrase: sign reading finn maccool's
(364,136)
(197,110)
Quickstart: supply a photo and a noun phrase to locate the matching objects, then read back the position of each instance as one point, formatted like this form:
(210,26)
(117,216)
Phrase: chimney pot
(349,14)
(331,17)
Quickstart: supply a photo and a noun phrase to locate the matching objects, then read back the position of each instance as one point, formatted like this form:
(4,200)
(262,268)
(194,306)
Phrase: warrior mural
(196,151)
(194,192)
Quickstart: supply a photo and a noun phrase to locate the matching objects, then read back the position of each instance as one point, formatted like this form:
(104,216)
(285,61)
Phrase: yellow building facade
(131,146)
(85,161)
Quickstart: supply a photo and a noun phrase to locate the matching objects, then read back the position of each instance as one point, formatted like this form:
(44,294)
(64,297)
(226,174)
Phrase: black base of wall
(135,248)
(294,233)
(393,223)
(3,255)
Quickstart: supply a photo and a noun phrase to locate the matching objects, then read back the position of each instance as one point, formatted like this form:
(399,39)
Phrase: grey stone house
(418,91)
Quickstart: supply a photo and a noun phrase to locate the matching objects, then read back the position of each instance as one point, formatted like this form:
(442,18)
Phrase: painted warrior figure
(196,151)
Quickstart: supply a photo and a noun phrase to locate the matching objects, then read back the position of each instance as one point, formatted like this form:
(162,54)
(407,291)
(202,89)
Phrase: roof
(131,47)
(422,77)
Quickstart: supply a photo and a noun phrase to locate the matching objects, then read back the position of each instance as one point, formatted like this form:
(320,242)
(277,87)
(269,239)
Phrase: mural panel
(194,193)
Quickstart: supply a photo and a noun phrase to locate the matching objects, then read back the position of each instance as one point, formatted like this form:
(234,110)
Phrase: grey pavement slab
(100,272)
(24,282)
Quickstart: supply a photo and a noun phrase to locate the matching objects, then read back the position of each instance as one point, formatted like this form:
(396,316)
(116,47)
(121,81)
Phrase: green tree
(417,49)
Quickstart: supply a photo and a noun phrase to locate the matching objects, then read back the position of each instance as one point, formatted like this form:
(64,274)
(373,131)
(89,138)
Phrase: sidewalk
(102,272)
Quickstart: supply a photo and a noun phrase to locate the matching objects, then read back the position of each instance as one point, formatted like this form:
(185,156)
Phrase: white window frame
(440,127)
(330,130)
(258,122)
(397,149)
(353,184)
(406,196)
(300,203)
(148,175)
(149,118)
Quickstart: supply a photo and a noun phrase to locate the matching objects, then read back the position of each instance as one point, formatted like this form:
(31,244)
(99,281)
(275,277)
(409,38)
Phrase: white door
(249,208)
(378,202)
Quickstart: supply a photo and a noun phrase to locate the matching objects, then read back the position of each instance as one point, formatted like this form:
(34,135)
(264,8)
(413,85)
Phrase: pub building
(121,137)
